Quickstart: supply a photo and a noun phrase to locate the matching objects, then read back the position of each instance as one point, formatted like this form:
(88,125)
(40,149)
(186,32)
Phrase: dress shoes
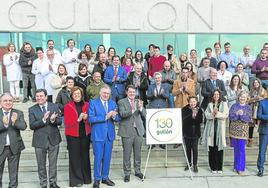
(186,168)
(24,100)
(195,169)
(108,182)
(139,175)
(96,184)
(54,185)
(260,173)
(162,146)
(127,178)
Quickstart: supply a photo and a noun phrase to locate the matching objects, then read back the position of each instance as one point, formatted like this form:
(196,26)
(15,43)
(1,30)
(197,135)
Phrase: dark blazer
(143,86)
(263,116)
(13,131)
(63,98)
(83,83)
(190,126)
(207,90)
(44,133)
(160,100)
(127,118)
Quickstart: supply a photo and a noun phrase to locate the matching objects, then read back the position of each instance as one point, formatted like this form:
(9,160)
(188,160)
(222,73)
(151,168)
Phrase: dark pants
(13,165)
(192,148)
(263,142)
(215,158)
(41,157)
(79,162)
(26,78)
(250,132)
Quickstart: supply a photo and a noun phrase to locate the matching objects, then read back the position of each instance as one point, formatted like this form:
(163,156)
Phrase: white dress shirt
(7,138)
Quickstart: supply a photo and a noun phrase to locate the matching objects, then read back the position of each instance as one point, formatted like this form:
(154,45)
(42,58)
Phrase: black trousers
(215,158)
(250,132)
(79,162)
(191,150)
(13,165)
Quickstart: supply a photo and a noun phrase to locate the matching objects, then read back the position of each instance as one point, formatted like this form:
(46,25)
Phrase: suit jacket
(119,85)
(207,90)
(44,133)
(144,83)
(13,131)
(263,116)
(101,129)
(128,118)
(160,100)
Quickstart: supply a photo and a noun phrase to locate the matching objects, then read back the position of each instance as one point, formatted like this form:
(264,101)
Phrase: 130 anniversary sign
(163,126)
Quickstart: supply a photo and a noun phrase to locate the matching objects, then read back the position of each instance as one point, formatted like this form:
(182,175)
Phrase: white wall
(106,16)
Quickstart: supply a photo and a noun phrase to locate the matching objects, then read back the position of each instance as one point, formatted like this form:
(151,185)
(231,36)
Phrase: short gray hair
(105,86)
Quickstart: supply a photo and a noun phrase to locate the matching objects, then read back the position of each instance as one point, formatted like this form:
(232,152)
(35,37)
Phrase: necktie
(44,109)
(214,83)
(105,107)
(6,119)
(115,70)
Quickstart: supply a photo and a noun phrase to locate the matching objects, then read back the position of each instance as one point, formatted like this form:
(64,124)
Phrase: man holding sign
(131,130)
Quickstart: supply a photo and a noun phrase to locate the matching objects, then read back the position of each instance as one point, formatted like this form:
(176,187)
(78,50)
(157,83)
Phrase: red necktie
(115,70)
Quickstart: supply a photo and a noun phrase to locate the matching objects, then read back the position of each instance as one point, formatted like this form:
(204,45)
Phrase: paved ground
(165,178)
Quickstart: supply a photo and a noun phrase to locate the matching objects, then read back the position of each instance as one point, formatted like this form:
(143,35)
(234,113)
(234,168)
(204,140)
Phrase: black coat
(24,59)
(190,126)
(143,86)
(83,82)
(64,97)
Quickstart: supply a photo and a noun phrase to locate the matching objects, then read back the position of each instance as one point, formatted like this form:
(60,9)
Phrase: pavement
(169,177)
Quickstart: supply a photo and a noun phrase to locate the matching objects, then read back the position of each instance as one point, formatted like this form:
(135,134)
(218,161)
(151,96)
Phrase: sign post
(164,126)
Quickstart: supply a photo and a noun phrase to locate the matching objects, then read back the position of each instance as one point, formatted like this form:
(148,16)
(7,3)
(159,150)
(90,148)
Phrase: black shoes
(108,182)
(96,184)
(195,169)
(176,146)
(162,146)
(260,173)
(54,185)
(186,168)
(24,100)
(33,100)
(139,175)
(127,178)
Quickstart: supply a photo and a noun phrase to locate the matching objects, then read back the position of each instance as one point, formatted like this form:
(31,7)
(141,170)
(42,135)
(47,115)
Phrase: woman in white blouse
(223,73)
(37,68)
(13,69)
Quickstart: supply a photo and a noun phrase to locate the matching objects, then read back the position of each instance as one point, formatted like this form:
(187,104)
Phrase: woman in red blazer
(77,131)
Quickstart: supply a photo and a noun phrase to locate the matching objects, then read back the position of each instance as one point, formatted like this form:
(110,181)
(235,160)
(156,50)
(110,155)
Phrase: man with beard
(27,56)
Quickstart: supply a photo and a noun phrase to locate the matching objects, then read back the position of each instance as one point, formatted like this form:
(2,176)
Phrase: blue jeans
(263,142)
(264,83)
(171,101)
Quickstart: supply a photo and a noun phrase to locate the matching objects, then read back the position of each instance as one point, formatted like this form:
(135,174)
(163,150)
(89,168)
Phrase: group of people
(89,93)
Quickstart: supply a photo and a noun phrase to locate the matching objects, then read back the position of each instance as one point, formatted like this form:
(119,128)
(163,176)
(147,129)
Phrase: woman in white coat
(37,67)
(13,69)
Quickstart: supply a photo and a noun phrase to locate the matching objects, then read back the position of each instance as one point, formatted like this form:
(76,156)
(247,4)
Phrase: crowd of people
(89,93)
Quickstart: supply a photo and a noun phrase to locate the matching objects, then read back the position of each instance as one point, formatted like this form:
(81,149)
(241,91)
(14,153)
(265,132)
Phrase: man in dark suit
(11,144)
(209,86)
(131,130)
(263,134)
(102,114)
(44,120)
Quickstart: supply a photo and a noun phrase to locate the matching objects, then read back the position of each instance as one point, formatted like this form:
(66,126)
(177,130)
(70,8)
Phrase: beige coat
(182,96)
(222,116)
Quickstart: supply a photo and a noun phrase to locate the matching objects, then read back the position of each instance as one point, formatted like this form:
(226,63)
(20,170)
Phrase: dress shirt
(8,116)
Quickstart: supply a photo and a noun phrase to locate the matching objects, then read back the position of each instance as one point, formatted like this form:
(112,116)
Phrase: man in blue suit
(102,115)
(263,134)
(116,77)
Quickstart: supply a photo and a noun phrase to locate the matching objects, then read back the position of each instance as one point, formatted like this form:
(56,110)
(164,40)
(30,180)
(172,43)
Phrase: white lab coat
(11,61)
(48,74)
(67,56)
(36,70)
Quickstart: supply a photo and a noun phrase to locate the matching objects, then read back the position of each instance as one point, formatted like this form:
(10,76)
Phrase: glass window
(169,39)
(121,41)
(181,44)
(5,39)
(143,41)
(238,41)
(93,39)
(202,41)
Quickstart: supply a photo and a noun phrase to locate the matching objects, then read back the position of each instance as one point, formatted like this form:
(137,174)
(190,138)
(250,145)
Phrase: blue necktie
(214,83)
(105,107)
(44,109)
